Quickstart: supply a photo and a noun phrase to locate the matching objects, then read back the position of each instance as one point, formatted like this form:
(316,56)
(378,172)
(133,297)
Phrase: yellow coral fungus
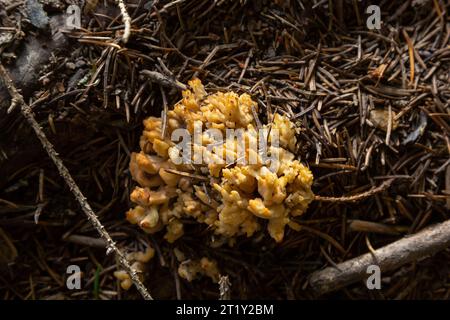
(219,176)
(193,269)
(138,260)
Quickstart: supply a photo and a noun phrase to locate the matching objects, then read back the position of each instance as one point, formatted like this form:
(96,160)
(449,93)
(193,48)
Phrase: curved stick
(356,197)
(410,248)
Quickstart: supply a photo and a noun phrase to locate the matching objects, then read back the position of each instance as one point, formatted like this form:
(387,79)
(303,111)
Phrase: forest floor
(370,105)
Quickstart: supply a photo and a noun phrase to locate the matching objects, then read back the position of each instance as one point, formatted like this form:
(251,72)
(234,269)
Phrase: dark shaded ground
(320,65)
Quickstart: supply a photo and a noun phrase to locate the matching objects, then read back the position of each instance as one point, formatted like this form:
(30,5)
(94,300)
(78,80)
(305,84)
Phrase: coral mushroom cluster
(138,259)
(232,198)
(193,269)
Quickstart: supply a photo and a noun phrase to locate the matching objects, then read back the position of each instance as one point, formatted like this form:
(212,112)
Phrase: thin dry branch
(163,80)
(420,245)
(356,197)
(126,20)
(17,100)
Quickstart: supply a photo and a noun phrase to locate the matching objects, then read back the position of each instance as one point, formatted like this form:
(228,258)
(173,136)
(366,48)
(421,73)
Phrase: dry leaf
(380,119)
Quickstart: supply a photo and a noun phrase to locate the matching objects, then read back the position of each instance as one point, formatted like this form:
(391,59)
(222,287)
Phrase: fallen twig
(163,80)
(356,197)
(126,20)
(86,241)
(17,100)
(410,248)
